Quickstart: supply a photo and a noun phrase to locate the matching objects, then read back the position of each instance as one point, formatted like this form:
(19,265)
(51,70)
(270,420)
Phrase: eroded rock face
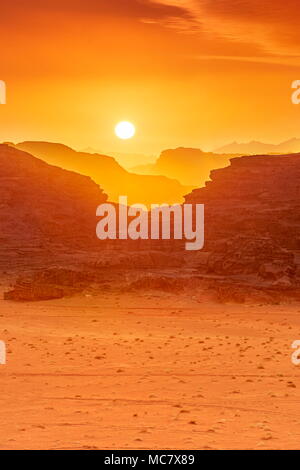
(140,260)
(252,218)
(42,205)
(52,283)
(28,291)
(241,255)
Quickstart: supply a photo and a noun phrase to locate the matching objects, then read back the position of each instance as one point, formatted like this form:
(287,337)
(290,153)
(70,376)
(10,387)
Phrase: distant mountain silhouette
(254,147)
(113,178)
(126,160)
(189,166)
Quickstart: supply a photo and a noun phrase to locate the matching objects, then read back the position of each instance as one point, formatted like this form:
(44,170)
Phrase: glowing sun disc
(125,130)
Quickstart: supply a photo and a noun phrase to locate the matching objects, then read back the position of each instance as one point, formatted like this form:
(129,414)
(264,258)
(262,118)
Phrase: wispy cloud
(271,25)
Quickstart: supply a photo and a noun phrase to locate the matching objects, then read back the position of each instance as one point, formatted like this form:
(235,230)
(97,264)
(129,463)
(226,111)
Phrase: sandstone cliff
(42,205)
(252,218)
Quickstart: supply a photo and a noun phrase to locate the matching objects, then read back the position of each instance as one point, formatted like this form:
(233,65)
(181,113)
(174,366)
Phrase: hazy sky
(195,73)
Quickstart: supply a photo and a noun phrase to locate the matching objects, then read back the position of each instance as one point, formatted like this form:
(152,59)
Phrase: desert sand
(157,371)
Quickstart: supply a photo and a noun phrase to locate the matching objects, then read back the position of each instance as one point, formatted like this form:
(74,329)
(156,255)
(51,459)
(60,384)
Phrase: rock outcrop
(187,165)
(53,283)
(44,206)
(252,218)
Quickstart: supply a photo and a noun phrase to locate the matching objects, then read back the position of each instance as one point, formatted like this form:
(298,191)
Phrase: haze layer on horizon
(195,73)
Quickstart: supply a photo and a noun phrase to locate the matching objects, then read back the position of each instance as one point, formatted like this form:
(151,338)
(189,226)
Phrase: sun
(125,130)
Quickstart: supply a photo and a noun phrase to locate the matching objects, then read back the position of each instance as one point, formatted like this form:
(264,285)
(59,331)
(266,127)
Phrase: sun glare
(125,130)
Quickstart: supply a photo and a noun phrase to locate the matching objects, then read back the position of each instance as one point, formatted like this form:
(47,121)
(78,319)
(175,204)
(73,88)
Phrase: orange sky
(195,73)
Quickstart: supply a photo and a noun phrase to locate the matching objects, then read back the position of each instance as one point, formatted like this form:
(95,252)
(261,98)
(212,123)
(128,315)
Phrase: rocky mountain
(43,207)
(252,219)
(252,229)
(106,172)
(187,165)
(255,148)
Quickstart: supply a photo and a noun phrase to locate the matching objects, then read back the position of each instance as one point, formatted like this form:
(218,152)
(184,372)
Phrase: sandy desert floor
(148,372)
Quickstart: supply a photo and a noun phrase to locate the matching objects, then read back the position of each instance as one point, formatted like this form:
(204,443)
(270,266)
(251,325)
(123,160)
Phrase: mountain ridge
(256,147)
(109,174)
